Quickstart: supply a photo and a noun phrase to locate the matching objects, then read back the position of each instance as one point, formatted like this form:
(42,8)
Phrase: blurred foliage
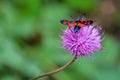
(30,41)
(82,5)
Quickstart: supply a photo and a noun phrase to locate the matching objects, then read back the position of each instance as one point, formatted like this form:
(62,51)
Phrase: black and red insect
(77,24)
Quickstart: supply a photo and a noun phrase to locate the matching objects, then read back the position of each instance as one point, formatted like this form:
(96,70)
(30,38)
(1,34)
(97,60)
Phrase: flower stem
(57,70)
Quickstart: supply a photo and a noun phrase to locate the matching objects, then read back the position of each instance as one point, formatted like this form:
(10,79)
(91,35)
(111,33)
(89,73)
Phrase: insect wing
(81,24)
(65,22)
(89,22)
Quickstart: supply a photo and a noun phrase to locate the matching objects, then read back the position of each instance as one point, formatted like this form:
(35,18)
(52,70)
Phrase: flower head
(85,42)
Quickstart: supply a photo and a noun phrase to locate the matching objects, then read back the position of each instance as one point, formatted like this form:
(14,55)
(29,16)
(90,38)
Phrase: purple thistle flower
(85,42)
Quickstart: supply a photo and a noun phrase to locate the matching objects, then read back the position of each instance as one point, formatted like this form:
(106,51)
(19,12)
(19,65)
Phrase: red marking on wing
(68,22)
(72,25)
(88,22)
(64,22)
(81,25)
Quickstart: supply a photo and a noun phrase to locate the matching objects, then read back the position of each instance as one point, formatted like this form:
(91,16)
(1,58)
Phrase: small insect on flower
(77,24)
(86,41)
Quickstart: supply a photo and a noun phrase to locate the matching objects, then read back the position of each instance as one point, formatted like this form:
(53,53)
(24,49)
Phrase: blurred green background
(30,42)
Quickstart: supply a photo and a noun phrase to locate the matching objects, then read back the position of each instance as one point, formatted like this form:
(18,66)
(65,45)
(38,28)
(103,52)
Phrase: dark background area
(30,42)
